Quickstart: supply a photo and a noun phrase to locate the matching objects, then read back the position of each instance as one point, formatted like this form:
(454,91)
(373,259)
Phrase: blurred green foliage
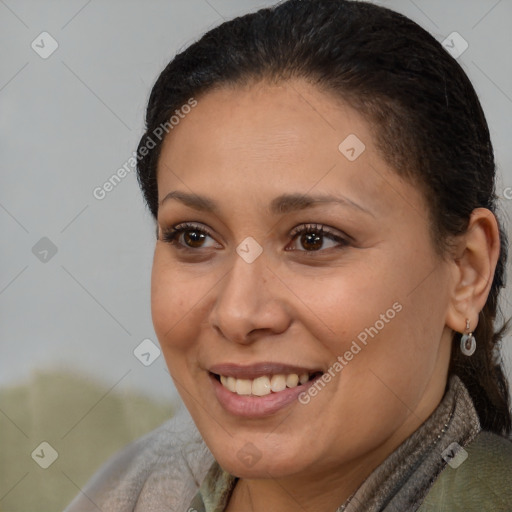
(81,420)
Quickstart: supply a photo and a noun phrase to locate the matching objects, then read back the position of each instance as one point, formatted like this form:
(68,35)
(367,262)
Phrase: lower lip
(256,406)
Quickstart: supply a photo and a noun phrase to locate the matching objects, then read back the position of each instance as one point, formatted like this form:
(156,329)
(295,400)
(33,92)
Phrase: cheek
(395,337)
(174,304)
(344,302)
(166,307)
(375,313)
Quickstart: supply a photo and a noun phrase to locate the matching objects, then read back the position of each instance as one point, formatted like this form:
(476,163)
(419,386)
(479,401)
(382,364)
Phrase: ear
(473,264)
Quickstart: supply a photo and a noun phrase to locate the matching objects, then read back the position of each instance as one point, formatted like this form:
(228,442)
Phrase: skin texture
(242,147)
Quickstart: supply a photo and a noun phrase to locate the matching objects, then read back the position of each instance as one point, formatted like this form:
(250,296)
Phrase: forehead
(268,138)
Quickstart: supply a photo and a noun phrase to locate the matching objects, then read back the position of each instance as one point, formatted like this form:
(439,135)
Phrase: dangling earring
(468,342)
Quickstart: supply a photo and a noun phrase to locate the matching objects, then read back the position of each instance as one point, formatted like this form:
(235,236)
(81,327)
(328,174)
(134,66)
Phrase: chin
(246,458)
(260,469)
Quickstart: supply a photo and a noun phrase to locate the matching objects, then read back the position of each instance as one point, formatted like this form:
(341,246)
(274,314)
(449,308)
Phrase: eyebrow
(281,205)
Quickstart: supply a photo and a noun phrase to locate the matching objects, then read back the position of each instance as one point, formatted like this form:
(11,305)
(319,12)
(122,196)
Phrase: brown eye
(312,241)
(313,237)
(188,236)
(193,238)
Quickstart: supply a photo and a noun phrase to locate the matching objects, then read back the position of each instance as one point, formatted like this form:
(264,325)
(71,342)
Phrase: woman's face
(302,309)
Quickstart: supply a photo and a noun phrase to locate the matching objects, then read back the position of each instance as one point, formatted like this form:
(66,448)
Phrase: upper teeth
(263,385)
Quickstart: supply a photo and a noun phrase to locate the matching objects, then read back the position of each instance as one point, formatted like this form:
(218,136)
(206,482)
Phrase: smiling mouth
(265,384)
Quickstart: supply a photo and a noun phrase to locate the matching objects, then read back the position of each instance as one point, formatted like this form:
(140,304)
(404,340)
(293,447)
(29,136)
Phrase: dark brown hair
(427,120)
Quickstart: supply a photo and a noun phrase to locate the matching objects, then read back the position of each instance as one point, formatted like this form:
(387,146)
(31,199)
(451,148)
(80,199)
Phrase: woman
(326,273)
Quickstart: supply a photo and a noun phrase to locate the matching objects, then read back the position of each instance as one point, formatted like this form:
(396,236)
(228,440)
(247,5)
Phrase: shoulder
(479,477)
(162,468)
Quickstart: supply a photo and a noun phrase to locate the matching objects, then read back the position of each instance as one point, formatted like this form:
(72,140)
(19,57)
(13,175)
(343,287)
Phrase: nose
(248,304)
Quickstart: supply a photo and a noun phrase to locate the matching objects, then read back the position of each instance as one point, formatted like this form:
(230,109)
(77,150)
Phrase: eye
(312,237)
(188,236)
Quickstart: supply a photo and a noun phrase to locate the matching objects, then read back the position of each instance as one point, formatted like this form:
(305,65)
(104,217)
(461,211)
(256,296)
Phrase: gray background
(68,122)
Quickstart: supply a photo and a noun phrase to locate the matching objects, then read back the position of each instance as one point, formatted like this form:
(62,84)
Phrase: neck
(315,491)
(291,494)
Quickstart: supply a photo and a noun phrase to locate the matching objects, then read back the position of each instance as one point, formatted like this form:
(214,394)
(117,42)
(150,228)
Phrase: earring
(468,342)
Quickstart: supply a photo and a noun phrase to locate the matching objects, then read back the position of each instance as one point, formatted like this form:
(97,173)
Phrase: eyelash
(170,235)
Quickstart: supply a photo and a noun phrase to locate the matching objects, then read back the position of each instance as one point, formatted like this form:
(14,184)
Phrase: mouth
(260,390)
(265,384)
